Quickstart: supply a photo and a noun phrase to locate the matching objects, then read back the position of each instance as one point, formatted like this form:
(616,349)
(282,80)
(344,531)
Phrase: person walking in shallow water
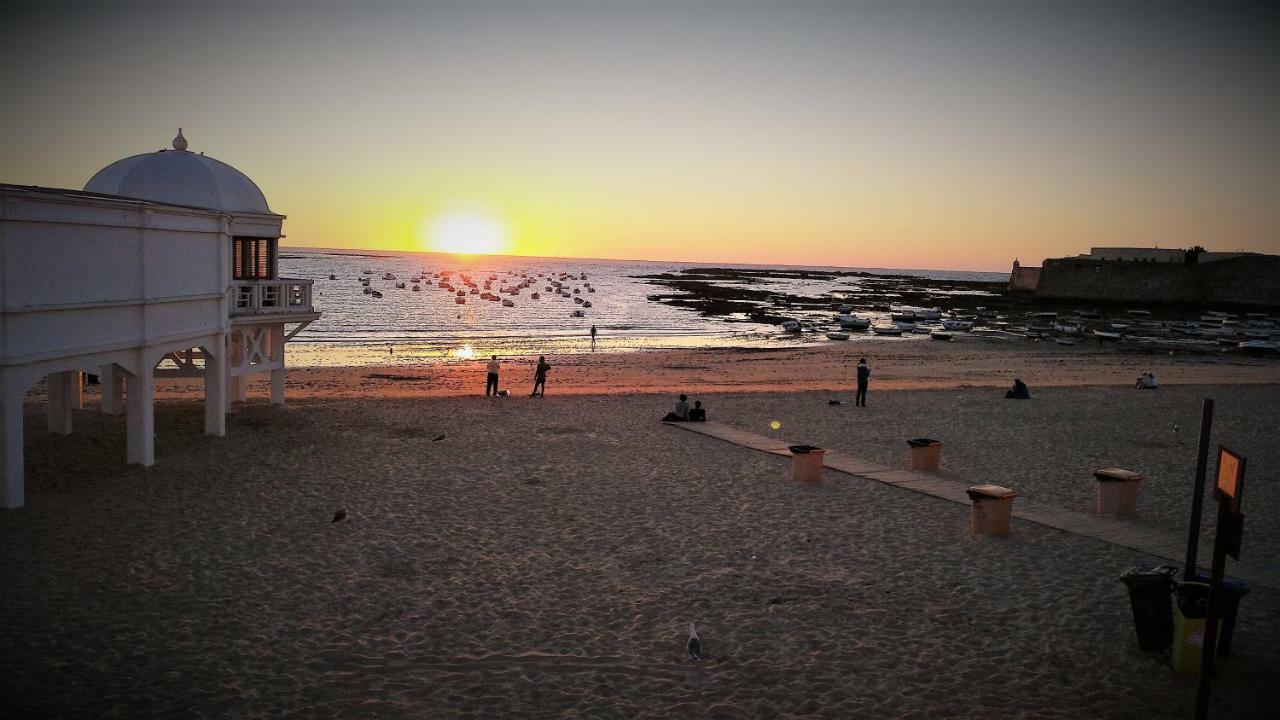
(593,337)
(864,378)
(540,377)
(491,382)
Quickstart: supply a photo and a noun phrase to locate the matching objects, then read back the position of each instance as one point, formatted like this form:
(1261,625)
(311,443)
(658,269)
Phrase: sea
(405,327)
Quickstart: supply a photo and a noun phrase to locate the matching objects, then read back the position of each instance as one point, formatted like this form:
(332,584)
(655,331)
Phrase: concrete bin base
(992,510)
(1118,491)
(806,463)
(925,454)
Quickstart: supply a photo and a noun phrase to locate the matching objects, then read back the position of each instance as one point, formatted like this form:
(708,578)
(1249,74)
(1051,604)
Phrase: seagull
(1175,428)
(439,437)
(340,515)
(695,645)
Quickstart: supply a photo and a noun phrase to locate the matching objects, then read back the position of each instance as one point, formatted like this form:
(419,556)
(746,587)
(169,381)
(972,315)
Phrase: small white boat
(837,336)
(905,326)
(1259,347)
(388,276)
(1066,329)
(1139,313)
(1104,335)
(853,322)
(790,326)
(957,325)
(890,330)
(929,314)
(1064,341)
(906,316)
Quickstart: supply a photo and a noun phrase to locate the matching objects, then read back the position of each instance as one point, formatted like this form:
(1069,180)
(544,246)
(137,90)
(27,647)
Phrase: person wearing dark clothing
(1019,391)
(540,377)
(697,414)
(864,377)
(491,383)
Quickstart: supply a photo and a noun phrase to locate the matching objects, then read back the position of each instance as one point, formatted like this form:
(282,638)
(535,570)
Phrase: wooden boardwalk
(1124,533)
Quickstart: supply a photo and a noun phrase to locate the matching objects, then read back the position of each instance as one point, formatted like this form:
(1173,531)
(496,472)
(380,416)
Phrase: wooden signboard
(1230,483)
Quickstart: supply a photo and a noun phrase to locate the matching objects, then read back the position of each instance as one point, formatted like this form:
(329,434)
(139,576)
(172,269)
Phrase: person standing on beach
(540,377)
(491,383)
(593,337)
(864,377)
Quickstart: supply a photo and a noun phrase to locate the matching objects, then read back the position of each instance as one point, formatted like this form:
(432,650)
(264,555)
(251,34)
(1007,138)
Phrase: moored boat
(837,336)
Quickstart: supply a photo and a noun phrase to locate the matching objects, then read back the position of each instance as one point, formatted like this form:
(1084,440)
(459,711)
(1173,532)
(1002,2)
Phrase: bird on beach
(439,437)
(695,644)
(340,515)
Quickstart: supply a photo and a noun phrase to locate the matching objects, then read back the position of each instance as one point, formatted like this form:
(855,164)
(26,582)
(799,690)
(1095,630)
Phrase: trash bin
(992,509)
(1151,599)
(1118,491)
(1233,589)
(806,463)
(1188,626)
(926,454)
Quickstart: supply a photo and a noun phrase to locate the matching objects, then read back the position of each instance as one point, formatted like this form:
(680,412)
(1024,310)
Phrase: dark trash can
(1232,589)
(1150,599)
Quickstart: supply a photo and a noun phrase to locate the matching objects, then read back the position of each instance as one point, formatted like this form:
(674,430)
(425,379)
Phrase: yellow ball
(774,424)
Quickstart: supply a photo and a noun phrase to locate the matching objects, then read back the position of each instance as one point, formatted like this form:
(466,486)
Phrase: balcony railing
(281,296)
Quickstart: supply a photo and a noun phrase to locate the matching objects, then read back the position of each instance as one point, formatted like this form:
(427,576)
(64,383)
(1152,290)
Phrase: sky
(890,134)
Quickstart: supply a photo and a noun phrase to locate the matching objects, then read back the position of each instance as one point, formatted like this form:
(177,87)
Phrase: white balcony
(282,296)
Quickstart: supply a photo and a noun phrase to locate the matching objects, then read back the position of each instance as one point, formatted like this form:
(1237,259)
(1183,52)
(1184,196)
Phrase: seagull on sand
(695,644)
(439,437)
(340,515)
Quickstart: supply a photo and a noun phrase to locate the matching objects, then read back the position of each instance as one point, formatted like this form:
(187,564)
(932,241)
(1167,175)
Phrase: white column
(58,406)
(215,389)
(76,389)
(11,470)
(140,424)
(235,359)
(112,380)
(277,357)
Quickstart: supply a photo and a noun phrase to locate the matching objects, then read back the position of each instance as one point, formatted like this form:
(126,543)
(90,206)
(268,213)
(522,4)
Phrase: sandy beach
(546,557)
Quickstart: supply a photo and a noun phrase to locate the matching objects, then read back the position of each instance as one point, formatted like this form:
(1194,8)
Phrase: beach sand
(546,557)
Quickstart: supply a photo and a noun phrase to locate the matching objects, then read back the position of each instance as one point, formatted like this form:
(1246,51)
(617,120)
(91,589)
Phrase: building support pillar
(140,423)
(11,469)
(59,403)
(112,379)
(215,389)
(76,388)
(235,359)
(277,358)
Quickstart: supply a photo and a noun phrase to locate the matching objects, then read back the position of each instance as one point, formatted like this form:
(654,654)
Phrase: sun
(466,234)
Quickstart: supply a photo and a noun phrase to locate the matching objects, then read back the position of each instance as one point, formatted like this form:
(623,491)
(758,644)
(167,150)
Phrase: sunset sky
(917,135)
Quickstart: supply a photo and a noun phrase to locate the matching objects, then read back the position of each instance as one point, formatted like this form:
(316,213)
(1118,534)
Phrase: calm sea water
(406,327)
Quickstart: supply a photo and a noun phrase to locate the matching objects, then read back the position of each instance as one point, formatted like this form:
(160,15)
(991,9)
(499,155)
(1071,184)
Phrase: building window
(253,258)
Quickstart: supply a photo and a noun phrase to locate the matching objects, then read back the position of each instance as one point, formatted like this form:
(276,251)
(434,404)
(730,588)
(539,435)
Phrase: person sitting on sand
(1149,382)
(1019,391)
(540,377)
(1141,381)
(681,413)
(697,414)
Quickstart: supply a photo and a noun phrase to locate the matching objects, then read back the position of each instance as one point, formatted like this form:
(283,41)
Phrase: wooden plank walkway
(943,485)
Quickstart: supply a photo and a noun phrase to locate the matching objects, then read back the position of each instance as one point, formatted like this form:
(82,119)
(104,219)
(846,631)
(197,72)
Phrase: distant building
(1154,275)
(165,264)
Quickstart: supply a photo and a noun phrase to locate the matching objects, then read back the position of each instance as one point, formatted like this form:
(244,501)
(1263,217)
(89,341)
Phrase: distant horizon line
(638,260)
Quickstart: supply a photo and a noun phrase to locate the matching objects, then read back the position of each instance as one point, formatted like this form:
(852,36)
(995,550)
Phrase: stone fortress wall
(1239,280)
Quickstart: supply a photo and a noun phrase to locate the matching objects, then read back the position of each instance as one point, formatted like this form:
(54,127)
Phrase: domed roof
(178,177)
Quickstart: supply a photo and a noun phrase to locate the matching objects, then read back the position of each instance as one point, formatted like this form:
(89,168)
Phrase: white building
(164,264)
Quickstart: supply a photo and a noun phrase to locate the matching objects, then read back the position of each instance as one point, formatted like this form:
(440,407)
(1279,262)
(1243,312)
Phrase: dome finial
(179,143)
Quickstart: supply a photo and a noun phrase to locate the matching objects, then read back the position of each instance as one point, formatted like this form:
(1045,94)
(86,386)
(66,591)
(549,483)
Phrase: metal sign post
(1197,499)
(1227,491)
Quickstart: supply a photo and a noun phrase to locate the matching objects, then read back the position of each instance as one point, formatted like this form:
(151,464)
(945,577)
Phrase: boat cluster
(461,286)
(1253,333)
